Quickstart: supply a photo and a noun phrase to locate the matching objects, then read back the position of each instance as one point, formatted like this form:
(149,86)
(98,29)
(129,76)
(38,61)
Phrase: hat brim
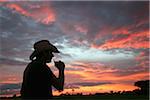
(35,53)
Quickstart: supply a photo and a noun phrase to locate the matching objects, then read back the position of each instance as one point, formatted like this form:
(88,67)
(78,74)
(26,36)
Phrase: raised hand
(60,65)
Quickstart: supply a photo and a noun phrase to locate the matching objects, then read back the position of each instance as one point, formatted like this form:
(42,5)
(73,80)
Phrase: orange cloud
(122,30)
(2,0)
(18,9)
(83,75)
(103,77)
(115,77)
(110,76)
(43,14)
(10,79)
(134,36)
(134,40)
(96,72)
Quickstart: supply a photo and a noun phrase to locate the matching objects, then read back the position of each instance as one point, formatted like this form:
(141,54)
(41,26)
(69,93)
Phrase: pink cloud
(133,40)
(18,8)
(81,29)
(44,14)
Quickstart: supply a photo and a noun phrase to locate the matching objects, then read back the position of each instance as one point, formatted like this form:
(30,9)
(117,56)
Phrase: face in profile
(49,55)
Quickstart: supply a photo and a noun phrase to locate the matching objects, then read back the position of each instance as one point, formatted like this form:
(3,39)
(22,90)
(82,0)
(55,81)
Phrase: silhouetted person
(38,79)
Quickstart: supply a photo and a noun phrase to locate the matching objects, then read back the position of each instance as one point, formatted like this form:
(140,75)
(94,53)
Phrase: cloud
(33,11)
(134,40)
(142,59)
(3,0)
(81,29)
(91,83)
(11,73)
(12,61)
(98,72)
(10,89)
(87,66)
(127,31)
(22,32)
(18,9)
(10,86)
(123,76)
(71,86)
(99,41)
(74,76)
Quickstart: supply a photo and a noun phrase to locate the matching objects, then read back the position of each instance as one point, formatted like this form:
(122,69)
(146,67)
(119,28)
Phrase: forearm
(61,74)
(61,78)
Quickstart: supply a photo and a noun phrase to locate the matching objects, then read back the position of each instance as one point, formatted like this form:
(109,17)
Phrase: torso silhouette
(37,81)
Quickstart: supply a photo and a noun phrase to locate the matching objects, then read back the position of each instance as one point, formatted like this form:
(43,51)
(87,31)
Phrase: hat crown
(45,45)
(41,44)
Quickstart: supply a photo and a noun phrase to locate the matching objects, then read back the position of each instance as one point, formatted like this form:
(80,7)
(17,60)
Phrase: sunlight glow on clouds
(105,45)
(46,15)
(134,40)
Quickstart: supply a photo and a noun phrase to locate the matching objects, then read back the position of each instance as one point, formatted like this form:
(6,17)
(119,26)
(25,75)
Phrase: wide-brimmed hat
(43,45)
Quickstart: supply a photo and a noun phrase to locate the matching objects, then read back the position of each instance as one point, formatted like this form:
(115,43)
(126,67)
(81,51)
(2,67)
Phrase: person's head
(46,56)
(43,50)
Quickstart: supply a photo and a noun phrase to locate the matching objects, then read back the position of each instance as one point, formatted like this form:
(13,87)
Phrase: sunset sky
(105,45)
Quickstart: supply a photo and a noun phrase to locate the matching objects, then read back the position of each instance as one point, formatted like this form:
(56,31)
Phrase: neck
(41,60)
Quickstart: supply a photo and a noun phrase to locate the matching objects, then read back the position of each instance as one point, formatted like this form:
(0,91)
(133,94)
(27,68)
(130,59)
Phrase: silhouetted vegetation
(144,87)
